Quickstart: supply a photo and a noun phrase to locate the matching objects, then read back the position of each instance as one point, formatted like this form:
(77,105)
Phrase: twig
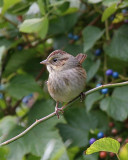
(63,108)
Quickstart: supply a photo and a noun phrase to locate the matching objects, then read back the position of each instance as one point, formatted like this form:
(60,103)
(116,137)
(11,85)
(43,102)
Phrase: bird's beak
(44,62)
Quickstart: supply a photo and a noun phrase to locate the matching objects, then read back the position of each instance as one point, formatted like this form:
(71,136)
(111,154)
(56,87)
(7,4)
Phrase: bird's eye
(54,59)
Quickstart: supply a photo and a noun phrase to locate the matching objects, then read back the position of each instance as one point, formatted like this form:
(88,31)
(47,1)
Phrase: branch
(63,108)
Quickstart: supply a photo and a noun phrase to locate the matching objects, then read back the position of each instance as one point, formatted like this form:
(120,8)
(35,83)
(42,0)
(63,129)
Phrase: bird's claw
(57,110)
(82,97)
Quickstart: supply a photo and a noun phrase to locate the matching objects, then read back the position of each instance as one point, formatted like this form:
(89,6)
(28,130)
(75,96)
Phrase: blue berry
(104,91)
(25,99)
(19,47)
(98,52)
(115,75)
(98,85)
(109,72)
(112,18)
(70,35)
(1,96)
(124,11)
(92,140)
(75,37)
(100,135)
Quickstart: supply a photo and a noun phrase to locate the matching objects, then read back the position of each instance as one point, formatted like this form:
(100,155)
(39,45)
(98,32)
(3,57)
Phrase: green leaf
(18,60)
(41,6)
(8,4)
(35,25)
(94,1)
(104,144)
(44,29)
(63,7)
(59,25)
(91,99)
(74,49)
(109,11)
(2,51)
(123,155)
(79,123)
(31,25)
(36,140)
(91,34)
(94,156)
(110,2)
(117,105)
(118,47)
(92,70)
(22,85)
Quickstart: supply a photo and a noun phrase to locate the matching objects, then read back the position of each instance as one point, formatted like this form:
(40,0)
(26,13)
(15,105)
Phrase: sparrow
(67,77)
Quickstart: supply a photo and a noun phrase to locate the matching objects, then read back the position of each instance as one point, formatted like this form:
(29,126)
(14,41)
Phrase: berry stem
(117,156)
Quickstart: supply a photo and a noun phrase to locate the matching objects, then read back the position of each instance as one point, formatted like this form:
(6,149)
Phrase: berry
(112,17)
(114,131)
(115,75)
(111,124)
(112,154)
(109,72)
(98,52)
(119,139)
(126,140)
(75,37)
(20,18)
(103,154)
(124,11)
(104,91)
(70,35)
(25,99)
(19,47)
(98,85)
(92,140)
(100,135)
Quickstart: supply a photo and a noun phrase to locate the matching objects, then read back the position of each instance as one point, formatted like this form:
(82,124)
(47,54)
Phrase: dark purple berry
(98,52)
(100,135)
(92,140)
(104,90)
(115,75)
(109,72)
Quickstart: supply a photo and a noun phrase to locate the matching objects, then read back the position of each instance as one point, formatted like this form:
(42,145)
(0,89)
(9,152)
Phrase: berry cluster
(99,135)
(73,37)
(110,72)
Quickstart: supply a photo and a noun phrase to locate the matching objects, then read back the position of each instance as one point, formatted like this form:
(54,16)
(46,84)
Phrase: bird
(67,77)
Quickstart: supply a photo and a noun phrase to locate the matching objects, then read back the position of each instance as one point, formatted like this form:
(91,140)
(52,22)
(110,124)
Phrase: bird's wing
(81,57)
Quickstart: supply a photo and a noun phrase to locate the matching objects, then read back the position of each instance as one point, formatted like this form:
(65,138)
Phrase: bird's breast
(66,85)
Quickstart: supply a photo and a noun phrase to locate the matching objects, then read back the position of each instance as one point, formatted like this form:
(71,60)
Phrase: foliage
(29,31)
(109,145)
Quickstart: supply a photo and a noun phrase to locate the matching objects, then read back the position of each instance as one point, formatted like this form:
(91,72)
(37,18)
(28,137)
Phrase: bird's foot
(57,110)
(82,96)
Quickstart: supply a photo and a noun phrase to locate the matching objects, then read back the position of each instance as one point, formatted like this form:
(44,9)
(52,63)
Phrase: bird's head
(59,60)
